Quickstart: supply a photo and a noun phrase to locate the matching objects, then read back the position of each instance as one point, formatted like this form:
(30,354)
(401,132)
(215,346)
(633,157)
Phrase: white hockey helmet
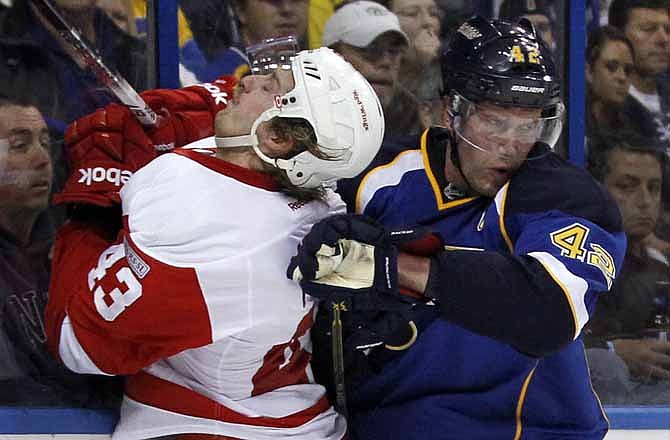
(343,110)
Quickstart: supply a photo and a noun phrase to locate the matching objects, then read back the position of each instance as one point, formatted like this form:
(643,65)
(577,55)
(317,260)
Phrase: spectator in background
(28,373)
(121,13)
(258,20)
(534,10)
(78,88)
(631,169)
(369,36)
(420,69)
(26,71)
(213,24)
(646,23)
(319,12)
(192,62)
(609,66)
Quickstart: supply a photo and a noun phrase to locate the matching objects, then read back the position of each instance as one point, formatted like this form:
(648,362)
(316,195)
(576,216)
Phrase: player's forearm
(510,299)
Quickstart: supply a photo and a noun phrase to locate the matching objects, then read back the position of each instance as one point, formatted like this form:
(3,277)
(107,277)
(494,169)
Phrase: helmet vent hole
(299,174)
(313,75)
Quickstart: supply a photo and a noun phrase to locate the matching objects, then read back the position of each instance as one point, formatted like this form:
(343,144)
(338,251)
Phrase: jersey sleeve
(573,230)
(560,244)
(114,310)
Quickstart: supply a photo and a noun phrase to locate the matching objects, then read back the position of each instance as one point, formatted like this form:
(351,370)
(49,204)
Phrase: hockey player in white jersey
(190,300)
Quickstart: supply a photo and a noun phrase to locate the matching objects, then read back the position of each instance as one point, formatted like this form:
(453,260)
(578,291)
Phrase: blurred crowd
(395,44)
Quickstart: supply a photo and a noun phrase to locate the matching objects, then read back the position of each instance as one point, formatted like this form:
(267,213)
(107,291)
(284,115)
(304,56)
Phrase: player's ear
(446,116)
(272,143)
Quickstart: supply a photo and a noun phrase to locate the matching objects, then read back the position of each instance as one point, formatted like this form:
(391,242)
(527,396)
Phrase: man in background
(28,374)
(646,23)
(631,169)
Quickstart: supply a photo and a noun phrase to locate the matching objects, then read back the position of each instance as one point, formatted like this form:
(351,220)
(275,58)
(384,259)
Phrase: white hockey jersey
(193,303)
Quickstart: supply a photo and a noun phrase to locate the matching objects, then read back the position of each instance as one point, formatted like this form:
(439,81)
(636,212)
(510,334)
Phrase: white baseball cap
(359,23)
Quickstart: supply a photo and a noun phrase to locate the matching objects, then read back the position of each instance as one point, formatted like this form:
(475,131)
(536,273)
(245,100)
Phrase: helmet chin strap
(246,140)
(251,140)
(455,155)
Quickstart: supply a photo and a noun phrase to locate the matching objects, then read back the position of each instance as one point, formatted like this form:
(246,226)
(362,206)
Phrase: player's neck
(241,156)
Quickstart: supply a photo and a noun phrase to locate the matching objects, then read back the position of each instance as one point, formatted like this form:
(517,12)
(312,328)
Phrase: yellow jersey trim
(519,405)
(241,70)
(439,197)
(501,219)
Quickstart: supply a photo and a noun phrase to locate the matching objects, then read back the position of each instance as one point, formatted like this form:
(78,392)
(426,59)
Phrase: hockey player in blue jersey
(525,244)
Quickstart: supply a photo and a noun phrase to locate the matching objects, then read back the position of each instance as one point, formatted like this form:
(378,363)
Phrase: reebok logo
(98,174)
(296,205)
(219,96)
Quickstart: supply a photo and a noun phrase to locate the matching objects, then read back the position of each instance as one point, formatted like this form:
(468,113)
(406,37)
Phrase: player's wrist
(413,272)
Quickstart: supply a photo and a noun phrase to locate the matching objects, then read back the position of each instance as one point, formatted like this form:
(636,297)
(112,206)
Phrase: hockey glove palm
(353,259)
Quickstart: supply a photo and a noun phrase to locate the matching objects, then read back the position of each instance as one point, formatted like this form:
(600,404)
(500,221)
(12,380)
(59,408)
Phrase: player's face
(501,134)
(263,19)
(25,163)
(634,180)
(649,31)
(379,63)
(255,94)
(609,75)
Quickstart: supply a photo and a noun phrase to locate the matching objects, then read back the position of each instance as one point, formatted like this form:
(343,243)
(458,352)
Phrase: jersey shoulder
(387,177)
(550,183)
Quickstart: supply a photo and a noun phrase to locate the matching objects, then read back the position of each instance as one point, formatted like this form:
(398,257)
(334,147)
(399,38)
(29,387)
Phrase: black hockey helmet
(504,63)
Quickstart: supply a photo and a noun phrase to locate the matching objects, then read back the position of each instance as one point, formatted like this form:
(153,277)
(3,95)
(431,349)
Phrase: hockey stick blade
(90,59)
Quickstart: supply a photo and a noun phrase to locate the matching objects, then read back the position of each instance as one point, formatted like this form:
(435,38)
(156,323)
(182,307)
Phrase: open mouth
(500,172)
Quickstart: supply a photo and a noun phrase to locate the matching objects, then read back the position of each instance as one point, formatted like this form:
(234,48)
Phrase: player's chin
(489,184)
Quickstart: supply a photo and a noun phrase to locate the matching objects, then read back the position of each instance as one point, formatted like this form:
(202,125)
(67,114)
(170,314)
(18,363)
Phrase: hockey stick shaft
(338,359)
(108,77)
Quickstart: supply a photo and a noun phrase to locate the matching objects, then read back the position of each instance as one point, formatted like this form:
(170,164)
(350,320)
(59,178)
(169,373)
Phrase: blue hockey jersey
(551,223)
